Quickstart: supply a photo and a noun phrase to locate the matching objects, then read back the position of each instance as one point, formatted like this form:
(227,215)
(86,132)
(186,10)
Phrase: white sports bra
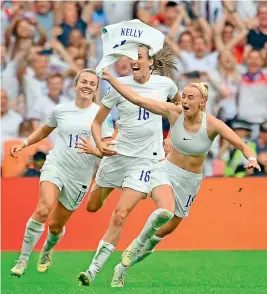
(190,144)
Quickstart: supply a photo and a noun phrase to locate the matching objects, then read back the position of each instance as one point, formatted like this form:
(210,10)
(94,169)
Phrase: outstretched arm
(35,137)
(161,108)
(227,133)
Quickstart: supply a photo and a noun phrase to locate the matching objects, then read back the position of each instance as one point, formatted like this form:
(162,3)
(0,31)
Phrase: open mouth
(86,92)
(136,68)
(185,107)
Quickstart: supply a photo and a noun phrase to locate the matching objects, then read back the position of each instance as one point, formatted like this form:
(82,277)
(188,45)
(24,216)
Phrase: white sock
(156,220)
(32,235)
(148,248)
(52,240)
(102,254)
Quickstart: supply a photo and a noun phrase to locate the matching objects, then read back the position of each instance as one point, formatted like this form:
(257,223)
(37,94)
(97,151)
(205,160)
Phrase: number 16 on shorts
(145,176)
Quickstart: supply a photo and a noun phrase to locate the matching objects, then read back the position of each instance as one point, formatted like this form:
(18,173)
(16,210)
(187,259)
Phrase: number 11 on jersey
(71,137)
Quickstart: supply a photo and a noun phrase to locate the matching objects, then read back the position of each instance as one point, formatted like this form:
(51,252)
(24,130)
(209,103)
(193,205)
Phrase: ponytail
(163,62)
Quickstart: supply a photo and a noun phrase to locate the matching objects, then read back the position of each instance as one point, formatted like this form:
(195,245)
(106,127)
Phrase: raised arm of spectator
(175,48)
(87,13)
(175,28)
(239,24)
(217,29)
(10,30)
(55,44)
(205,27)
(42,34)
(58,12)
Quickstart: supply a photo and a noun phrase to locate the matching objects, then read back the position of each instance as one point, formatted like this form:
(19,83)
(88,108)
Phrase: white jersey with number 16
(140,131)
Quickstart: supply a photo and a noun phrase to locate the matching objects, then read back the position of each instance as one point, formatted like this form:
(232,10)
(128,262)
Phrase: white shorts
(72,190)
(121,171)
(185,184)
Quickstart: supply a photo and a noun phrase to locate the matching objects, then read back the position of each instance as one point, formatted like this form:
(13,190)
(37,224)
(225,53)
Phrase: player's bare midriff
(193,164)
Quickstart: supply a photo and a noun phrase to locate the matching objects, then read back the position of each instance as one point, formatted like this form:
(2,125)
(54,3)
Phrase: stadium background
(41,39)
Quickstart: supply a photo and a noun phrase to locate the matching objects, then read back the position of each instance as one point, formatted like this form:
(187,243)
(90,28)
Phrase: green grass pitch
(207,272)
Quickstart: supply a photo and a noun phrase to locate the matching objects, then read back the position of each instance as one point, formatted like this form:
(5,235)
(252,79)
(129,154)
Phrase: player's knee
(55,228)
(42,213)
(120,216)
(92,207)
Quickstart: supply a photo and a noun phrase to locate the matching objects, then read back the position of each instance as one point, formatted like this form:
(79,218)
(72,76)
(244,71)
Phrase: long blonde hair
(203,89)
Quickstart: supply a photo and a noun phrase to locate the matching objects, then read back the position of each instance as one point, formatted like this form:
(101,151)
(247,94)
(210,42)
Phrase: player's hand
(167,146)
(16,148)
(85,146)
(253,164)
(107,75)
(105,150)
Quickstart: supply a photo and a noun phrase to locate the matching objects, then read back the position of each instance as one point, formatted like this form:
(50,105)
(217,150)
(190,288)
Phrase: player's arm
(219,127)
(100,117)
(38,135)
(161,108)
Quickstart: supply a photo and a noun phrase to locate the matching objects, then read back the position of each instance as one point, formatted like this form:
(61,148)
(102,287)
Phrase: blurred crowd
(224,43)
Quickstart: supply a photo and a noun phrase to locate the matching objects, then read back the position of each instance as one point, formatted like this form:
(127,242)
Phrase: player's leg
(97,197)
(164,199)
(49,192)
(151,243)
(56,231)
(106,246)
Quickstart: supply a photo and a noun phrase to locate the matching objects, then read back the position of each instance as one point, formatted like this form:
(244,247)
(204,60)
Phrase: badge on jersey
(86,134)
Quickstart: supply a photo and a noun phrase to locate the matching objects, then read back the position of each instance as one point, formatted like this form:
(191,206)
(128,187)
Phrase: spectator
(43,106)
(77,40)
(235,163)
(225,81)
(117,11)
(10,120)
(26,128)
(34,166)
(257,38)
(252,98)
(261,141)
(210,10)
(34,81)
(171,20)
(71,21)
(45,15)
(225,36)
(21,30)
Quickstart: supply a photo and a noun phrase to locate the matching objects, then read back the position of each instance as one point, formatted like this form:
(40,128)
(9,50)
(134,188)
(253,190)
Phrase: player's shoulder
(61,107)
(161,79)
(126,79)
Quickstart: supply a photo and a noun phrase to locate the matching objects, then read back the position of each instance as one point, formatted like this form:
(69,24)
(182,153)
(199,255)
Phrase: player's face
(192,101)
(141,67)
(87,85)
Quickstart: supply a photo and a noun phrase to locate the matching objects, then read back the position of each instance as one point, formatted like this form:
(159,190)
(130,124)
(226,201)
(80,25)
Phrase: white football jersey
(71,123)
(140,131)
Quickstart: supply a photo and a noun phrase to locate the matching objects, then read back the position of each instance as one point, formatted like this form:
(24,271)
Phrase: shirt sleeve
(107,129)
(52,119)
(111,97)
